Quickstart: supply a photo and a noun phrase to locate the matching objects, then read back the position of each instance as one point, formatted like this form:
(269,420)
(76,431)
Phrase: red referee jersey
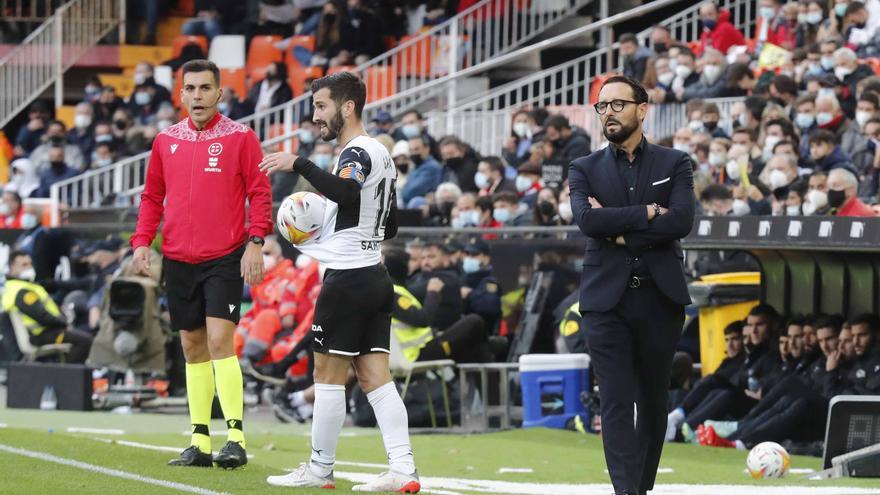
(204,178)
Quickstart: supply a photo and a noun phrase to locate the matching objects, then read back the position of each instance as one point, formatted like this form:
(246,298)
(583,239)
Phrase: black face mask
(454,163)
(330,18)
(660,47)
(860,25)
(710,126)
(120,124)
(446,207)
(836,198)
(56,141)
(416,159)
(57,166)
(402,167)
(546,208)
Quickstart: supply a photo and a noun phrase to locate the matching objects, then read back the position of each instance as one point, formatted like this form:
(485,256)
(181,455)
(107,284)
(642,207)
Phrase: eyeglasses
(616,105)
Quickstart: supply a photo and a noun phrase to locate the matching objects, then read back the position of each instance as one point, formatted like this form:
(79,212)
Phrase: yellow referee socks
(230,390)
(200,394)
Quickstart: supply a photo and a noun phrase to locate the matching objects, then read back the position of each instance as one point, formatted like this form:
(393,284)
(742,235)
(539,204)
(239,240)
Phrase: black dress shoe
(192,456)
(231,456)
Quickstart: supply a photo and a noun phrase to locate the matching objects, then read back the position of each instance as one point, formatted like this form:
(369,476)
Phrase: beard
(621,134)
(333,127)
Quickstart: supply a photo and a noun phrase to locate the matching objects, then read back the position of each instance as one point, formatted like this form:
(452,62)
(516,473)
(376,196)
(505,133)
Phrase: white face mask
(4,209)
(696,125)
(522,129)
(716,159)
(28,221)
(842,72)
(685,147)
(481,180)
(823,118)
(741,207)
(683,71)
(814,200)
(743,119)
(139,78)
(778,179)
(826,92)
(711,72)
(732,169)
(82,121)
(792,211)
(666,78)
(769,143)
(28,274)
(523,184)
(565,211)
(862,118)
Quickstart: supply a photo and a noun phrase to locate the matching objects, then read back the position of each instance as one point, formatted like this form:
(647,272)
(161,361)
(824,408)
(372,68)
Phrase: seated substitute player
(353,312)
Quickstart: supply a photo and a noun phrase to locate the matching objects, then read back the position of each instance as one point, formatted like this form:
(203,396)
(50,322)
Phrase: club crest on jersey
(214,150)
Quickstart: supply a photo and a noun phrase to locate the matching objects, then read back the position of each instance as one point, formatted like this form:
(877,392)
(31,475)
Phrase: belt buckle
(635,282)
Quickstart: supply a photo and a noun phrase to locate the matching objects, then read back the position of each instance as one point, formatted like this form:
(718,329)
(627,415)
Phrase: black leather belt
(636,282)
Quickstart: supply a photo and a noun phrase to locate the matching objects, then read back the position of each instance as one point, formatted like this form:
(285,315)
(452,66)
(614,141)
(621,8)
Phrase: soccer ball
(300,217)
(768,460)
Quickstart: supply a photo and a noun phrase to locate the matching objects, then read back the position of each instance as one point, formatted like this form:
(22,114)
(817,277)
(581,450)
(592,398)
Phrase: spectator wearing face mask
(516,148)
(460,163)
(566,215)
(849,72)
(807,30)
(148,94)
(508,211)
(56,136)
(480,290)
(24,179)
(867,160)
(826,155)
(439,213)
(57,171)
(780,172)
(718,32)
(412,125)
(528,183)
(712,82)
(11,210)
(711,115)
(805,122)
(772,26)
(83,132)
(843,195)
(273,90)
(490,177)
(795,199)
(569,142)
(547,209)
(232,106)
(718,149)
(716,201)
(400,156)
(830,116)
(102,156)
(466,213)
(860,28)
(426,175)
(816,199)
(686,75)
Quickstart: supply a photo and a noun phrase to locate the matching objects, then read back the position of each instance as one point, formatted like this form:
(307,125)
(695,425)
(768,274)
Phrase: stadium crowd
(802,140)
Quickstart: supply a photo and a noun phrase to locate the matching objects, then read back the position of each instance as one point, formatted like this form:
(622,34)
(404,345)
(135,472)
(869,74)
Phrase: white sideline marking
(97,431)
(107,471)
(2,425)
(515,470)
(160,448)
(801,471)
(431,484)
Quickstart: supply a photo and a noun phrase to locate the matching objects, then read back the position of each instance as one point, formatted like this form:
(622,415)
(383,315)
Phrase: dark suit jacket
(665,177)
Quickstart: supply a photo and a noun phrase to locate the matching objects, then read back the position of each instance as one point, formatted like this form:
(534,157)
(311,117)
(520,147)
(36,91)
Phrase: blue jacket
(484,298)
(424,179)
(49,177)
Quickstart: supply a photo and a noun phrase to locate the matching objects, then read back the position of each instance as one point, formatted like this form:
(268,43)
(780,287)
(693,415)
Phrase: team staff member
(633,200)
(204,167)
(44,321)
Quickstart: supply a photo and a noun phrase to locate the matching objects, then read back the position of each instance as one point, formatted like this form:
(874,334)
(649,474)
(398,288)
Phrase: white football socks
(394,425)
(673,423)
(329,416)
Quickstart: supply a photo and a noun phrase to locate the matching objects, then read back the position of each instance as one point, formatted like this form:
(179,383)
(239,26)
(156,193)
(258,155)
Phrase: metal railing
(41,59)
(410,65)
(484,121)
(28,10)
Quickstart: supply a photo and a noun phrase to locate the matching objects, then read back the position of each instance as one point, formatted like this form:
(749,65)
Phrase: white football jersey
(352,234)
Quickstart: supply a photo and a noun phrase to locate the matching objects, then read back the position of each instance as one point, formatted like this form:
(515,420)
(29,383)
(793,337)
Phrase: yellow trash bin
(722,298)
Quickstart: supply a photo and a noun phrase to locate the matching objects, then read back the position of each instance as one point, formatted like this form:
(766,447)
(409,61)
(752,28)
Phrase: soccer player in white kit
(353,312)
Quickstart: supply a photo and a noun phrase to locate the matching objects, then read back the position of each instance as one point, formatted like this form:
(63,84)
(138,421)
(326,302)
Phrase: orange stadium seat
(183,39)
(381,82)
(262,52)
(131,55)
(65,114)
(307,42)
(415,60)
(596,85)
(297,77)
(235,79)
(178,86)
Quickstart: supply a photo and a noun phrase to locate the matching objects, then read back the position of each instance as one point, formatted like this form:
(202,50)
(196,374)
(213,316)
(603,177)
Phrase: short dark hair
(871,98)
(833,322)
(869,319)
(822,136)
(783,142)
(494,162)
(734,327)
(796,319)
(344,86)
(854,7)
(484,203)
(505,197)
(201,65)
(765,311)
(15,255)
(744,130)
(415,112)
(785,124)
(396,262)
(628,38)
(711,108)
(715,191)
(638,91)
(785,84)
(539,115)
(755,105)
(453,141)
(557,122)
(737,71)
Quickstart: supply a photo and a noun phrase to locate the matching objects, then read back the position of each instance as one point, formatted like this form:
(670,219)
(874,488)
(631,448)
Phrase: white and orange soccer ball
(301,216)
(768,460)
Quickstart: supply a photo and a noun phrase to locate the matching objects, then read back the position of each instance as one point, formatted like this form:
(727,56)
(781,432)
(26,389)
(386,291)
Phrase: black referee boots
(194,457)
(231,456)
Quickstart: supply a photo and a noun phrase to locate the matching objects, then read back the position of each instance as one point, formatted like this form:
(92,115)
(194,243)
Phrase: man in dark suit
(633,200)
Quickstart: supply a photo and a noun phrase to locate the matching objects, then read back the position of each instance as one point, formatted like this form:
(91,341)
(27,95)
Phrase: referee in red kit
(203,169)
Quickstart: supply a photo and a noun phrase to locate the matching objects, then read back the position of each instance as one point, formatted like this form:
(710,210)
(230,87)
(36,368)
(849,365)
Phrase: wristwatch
(657,211)
(257,240)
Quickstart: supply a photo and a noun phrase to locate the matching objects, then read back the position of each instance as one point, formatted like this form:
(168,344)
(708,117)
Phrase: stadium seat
(131,55)
(65,114)
(381,83)
(415,59)
(596,85)
(123,85)
(235,79)
(341,68)
(307,42)
(262,53)
(30,351)
(297,77)
(183,39)
(178,85)
(402,368)
(227,51)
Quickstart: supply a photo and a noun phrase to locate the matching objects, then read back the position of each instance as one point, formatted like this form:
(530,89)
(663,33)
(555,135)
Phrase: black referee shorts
(353,312)
(209,289)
